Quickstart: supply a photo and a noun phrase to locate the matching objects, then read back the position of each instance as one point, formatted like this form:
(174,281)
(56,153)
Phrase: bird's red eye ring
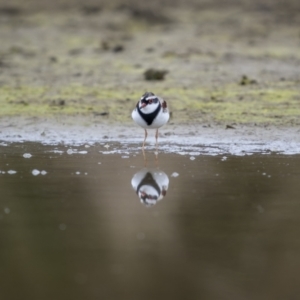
(150,101)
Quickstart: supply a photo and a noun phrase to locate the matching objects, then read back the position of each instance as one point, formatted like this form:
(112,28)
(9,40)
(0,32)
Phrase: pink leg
(146,134)
(156,137)
(156,144)
(145,160)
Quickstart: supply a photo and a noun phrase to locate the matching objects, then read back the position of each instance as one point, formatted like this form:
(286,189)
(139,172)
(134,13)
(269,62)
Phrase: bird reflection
(151,185)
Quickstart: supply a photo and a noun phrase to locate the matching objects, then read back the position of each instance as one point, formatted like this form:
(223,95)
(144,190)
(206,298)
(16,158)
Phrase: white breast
(161,119)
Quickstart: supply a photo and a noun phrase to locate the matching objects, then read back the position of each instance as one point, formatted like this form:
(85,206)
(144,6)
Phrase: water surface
(79,223)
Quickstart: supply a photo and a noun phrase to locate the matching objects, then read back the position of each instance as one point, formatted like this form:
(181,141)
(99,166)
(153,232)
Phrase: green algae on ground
(228,104)
(71,100)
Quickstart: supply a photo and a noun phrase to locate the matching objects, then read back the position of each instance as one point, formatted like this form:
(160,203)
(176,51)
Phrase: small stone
(53,59)
(155,74)
(229,127)
(246,81)
(118,48)
(104,113)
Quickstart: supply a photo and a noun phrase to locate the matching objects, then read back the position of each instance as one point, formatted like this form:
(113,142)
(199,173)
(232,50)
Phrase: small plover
(151,112)
(151,185)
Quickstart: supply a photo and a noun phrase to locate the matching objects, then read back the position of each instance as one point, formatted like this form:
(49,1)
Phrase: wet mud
(81,222)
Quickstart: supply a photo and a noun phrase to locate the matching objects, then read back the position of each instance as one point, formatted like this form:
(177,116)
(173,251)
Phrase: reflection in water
(230,231)
(151,185)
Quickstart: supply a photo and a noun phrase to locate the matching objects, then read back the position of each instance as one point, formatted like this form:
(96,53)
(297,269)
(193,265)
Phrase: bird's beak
(143,105)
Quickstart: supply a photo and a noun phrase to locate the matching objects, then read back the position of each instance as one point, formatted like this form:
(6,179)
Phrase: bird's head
(148,195)
(150,185)
(149,103)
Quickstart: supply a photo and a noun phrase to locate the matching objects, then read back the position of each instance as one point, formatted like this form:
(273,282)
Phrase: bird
(151,112)
(150,185)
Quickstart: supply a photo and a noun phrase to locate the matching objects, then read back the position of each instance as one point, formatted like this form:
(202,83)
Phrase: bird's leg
(145,159)
(143,148)
(156,144)
(145,139)
(156,137)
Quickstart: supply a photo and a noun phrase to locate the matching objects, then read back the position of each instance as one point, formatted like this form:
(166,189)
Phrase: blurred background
(216,62)
(268,5)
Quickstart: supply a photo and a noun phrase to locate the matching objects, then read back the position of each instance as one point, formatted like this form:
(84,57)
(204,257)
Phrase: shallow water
(84,223)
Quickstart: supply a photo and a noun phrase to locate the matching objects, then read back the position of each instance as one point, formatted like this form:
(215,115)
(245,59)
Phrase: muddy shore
(173,138)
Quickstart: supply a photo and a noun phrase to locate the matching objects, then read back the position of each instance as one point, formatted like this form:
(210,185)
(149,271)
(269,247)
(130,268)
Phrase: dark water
(222,229)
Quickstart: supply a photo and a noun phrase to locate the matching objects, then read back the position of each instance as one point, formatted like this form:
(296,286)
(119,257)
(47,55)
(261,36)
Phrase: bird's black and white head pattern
(151,111)
(148,107)
(150,185)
